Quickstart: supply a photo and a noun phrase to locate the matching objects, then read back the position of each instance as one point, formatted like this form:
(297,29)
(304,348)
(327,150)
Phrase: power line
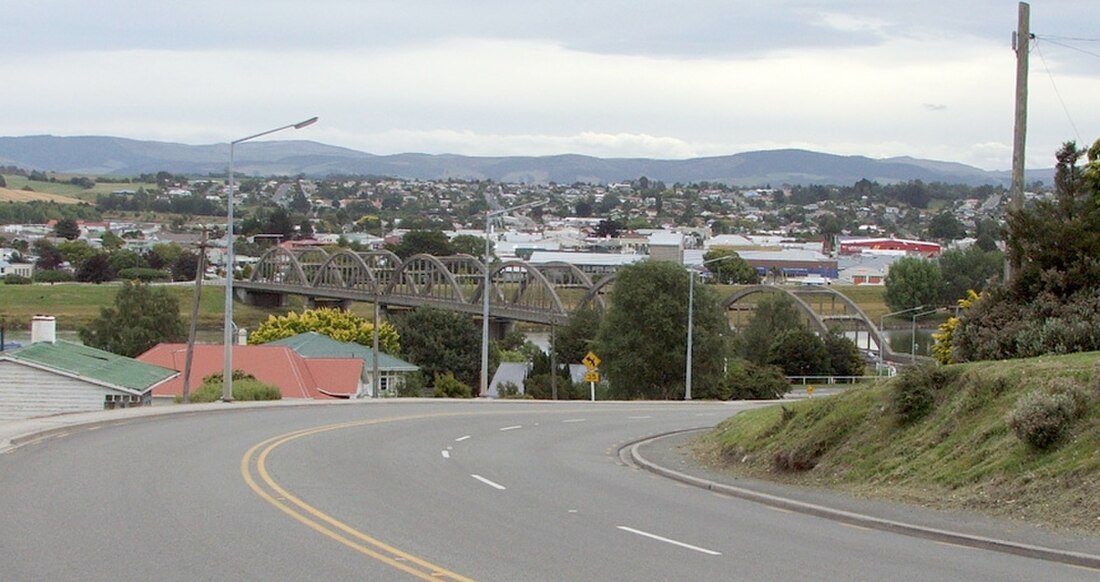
(1058,93)
(1071,47)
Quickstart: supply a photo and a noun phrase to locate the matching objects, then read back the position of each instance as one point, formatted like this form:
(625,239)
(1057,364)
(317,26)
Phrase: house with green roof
(57,377)
(392,371)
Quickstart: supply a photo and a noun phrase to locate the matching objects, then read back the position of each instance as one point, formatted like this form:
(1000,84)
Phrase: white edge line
(462,438)
(668,541)
(575,420)
(638,417)
(488,482)
(446,454)
(513,427)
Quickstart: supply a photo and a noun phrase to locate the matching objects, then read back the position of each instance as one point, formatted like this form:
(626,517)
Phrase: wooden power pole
(199,273)
(1021,43)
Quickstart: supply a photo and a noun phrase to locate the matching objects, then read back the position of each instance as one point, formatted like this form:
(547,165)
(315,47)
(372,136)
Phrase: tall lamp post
(483,390)
(691,317)
(227,380)
(882,338)
(913,345)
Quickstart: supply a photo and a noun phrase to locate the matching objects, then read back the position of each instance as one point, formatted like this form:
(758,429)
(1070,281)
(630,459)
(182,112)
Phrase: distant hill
(95,155)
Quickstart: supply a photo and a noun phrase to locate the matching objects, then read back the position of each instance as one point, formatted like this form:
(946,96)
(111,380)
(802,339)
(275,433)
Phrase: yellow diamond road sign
(591,376)
(591,361)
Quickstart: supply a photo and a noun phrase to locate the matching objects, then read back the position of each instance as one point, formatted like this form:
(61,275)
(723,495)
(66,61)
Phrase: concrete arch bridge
(519,291)
(544,294)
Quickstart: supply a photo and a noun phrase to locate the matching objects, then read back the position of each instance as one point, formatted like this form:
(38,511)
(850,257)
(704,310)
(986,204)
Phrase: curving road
(434,490)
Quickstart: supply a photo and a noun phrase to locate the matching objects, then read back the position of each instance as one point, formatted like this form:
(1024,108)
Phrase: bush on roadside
(13,279)
(1077,393)
(447,386)
(914,392)
(245,387)
(747,381)
(1041,419)
(412,386)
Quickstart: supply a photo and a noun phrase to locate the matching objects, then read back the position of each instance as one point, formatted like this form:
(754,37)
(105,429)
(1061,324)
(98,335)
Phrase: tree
(142,317)
(340,325)
(772,316)
(67,228)
(945,227)
(3,182)
(799,352)
(185,267)
(49,258)
(95,269)
(163,255)
(963,270)
(607,229)
(76,251)
(913,282)
(126,259)
(111,241)
(583,207)
(469,244)
(431,242)
(735,271)
(844,358)
(574,340)
(442,341)
(642,337)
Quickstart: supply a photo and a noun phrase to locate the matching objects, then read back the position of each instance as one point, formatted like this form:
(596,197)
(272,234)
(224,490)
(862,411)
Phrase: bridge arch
(812,317)
(279,266)
(427,278)
(519,285)
(346,270)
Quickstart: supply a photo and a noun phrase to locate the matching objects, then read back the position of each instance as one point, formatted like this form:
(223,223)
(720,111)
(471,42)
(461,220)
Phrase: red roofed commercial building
(856,246)
(296,377)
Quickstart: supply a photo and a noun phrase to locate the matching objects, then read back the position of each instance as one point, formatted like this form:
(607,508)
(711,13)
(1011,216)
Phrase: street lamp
(483,390)
(913,345)
(691,312)
(227,380)
(882,338)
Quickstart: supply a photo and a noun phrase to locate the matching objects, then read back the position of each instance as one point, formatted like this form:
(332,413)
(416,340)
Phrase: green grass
(76,304)
(961,455)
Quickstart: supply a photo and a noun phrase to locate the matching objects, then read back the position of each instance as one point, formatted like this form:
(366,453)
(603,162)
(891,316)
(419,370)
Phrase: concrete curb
(974,541)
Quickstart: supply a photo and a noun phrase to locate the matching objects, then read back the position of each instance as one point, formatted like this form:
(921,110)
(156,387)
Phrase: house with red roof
(295,376)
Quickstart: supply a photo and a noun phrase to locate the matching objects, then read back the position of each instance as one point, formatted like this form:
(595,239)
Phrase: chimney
(43,329)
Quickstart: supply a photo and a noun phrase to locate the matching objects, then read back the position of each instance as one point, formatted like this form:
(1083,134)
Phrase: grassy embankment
(961,455)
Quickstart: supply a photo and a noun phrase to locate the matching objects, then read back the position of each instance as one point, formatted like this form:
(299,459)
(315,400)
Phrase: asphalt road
(509,491)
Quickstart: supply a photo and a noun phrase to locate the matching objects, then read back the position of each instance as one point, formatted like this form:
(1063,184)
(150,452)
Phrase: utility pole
(1021,43)
(199,272)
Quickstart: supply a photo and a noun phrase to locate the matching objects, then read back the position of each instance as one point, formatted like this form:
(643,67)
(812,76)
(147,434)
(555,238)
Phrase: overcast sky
(610,78)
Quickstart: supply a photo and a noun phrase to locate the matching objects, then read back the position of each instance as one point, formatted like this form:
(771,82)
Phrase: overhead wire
(1065,109)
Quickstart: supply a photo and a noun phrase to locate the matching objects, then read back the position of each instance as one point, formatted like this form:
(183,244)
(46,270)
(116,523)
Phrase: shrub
(747,381)
(412,386)
(509,390)
(245,387)
(48,276)
(914,392)
(447,386)
(143,274)
(13,279)
(1076,392)
(1040,419)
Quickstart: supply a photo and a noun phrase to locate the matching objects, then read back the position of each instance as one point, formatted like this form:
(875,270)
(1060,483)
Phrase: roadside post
(592,362)
(810,391)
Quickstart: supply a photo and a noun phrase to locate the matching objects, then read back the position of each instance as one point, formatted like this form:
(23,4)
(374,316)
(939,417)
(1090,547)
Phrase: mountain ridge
(107,155)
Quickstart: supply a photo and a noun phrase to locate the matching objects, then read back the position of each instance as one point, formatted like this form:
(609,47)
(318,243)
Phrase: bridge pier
(327,302)
(261,298)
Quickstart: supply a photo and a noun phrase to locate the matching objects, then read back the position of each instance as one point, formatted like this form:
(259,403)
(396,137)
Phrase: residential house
(295,376)
(52,376)
(392,371)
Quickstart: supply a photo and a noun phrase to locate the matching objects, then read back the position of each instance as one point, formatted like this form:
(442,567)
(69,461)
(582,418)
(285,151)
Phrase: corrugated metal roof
(315,345)
(93,364)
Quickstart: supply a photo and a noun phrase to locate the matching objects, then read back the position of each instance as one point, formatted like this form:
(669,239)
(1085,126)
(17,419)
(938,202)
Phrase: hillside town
(793,233)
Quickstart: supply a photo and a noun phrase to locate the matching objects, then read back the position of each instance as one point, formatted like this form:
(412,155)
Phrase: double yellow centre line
(255,473)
